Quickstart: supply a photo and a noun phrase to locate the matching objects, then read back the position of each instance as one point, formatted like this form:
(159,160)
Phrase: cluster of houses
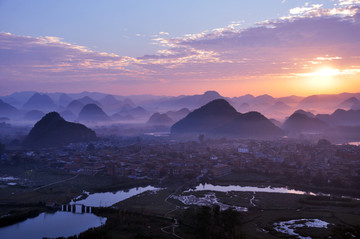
(157,159)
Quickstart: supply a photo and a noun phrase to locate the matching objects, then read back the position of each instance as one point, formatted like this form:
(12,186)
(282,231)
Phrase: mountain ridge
(219,117)
(53,130)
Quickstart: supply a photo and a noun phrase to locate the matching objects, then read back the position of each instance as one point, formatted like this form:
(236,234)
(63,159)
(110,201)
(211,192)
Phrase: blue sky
(127,27)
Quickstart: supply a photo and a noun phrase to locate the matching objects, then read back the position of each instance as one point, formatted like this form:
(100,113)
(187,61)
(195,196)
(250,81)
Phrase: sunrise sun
(323,78)
(327,72)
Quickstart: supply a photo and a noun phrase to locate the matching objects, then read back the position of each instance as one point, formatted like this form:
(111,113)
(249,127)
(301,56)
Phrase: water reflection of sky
(109,198)
(354,143)
(237,188)
(59,224)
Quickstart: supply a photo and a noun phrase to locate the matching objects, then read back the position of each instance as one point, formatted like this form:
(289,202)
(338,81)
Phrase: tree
(201,138)
(90,147)
(2,148)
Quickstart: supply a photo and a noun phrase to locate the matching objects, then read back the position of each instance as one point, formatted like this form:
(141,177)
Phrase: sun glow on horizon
(327,72)
(323,79)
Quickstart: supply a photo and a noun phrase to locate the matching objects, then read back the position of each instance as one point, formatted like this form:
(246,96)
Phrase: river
(65,224)
(58,224)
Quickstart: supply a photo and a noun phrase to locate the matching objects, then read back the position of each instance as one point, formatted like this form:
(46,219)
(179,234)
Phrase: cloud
(349,2)
(45,55)
(231,56)
(306,9)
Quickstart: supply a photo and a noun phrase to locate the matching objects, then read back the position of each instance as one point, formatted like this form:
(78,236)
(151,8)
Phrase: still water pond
(108,199)
(354,143)
(58,224)
(236,188)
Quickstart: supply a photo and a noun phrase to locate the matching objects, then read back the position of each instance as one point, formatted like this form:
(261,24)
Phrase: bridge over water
(76,208)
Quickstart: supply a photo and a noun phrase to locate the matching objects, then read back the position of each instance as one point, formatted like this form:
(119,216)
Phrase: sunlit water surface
(108,199)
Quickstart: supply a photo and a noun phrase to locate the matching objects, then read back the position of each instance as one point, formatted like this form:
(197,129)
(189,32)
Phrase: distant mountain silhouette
(40,102)
(88,100)
(128,102)
(209,96)
(109,99)
(111,104)
(137,112)
(68,115)
(290,99)
(342,118)
(244,99)
(264,99)
(160,119)
(191,101)
(244,107)
(34,115)
(7,110)
(92,95)
(206,118)
(178,115)
(303,112)
(75,106)
(53,130)
(271,107)
(128,108)
(263,103)
(219,118)
(250,125)
(349,102)
(320,101)
(12,101)
(92,112)
(18,99)
(280,106)
(275,122)
(299,123)
(64,100)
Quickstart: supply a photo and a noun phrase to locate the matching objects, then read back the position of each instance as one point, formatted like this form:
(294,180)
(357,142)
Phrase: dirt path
(175,223)
(50,184)
(252,200)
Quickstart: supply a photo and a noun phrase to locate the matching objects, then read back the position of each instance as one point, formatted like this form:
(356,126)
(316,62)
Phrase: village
(160,158)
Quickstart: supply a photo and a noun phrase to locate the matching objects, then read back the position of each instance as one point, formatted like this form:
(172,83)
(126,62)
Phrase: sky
(175,47)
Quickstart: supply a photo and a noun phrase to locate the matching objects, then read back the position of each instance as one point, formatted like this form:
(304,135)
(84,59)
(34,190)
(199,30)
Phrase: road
(252,200)
(175,224)
(50,184)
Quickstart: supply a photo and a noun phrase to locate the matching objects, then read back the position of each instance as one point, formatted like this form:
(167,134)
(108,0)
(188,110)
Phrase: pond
(108,199)
(354,143)
(289,227)
(237,188)
(58,224)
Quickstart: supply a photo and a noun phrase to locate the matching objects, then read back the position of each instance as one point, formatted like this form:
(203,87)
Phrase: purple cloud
(309,36)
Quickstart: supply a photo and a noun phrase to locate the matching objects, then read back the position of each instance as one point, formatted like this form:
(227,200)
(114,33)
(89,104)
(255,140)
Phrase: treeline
(18,217)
